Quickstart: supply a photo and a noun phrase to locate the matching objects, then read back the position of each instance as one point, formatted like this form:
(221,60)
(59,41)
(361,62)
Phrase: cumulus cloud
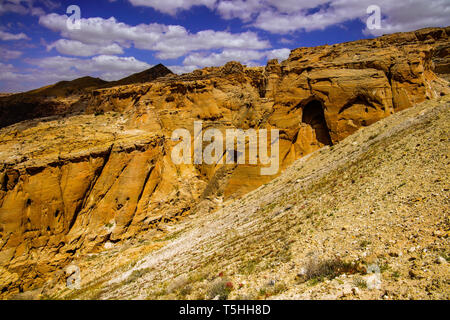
(172,6)
(6,36)
(77,48)
(248,9)
(182,69)
(243,10)
(219,59)
(281,17)
(179,45)
(168,41)
(280,54)
(247,57)
(106,66)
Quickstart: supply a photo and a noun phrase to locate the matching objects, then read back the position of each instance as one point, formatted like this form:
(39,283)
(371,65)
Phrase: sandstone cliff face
(378,198)
(98,169)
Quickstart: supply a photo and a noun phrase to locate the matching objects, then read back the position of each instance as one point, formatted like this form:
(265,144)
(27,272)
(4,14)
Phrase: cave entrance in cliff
(313,114)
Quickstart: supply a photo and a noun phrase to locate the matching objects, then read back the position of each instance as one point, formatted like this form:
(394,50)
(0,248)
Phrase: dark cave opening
(313,114)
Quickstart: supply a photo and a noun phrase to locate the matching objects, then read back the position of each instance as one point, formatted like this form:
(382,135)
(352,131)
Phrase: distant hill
(67,88)
(144,76)
(60,98)
(77,86)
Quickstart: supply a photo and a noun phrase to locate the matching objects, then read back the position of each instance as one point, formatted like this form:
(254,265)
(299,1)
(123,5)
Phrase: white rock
(441,260)
(373,281)
(108,245)
(302,271)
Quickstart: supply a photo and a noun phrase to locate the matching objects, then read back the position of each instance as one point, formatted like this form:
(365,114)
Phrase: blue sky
(119,37)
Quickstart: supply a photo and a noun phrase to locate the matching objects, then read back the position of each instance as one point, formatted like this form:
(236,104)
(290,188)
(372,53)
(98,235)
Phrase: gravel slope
(377,201)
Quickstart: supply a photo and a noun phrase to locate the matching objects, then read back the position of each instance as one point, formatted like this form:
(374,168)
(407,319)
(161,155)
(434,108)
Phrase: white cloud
(172,6)
(50,70)
(7,54)
(182,69)
(285,16)
(6,36)
(24,7)
(6,67)
(179,45)
(105,66)
(243,10)
(13,6)
(219,59)
(287,6)
(248,9)
(286,41)
(281,17)
(77,48)
(280,54)
(128,65)
(168,41)
(12,80)
(229,9)
(247,57)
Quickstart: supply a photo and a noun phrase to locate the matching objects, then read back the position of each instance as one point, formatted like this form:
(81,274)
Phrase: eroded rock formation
(98,168)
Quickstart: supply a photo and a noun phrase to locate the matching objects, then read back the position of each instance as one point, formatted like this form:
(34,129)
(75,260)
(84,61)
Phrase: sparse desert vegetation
(319,230)
(94,205)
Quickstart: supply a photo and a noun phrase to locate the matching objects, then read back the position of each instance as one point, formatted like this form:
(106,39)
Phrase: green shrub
(318,270)
(136,274)
(220,288)
(360,283)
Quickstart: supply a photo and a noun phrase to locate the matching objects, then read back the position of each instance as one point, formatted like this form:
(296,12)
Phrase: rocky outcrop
(98,169)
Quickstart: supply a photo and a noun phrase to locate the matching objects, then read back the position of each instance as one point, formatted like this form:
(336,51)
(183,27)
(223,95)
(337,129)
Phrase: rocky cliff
(97,169)
(364,219)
